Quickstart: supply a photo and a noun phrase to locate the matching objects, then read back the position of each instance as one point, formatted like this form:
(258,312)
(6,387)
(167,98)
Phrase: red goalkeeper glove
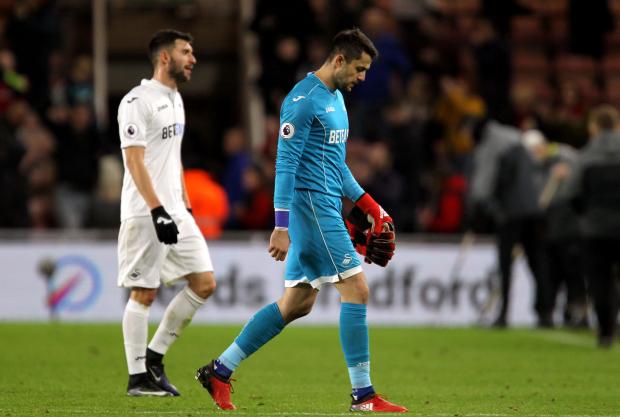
(375,249)
(377,217)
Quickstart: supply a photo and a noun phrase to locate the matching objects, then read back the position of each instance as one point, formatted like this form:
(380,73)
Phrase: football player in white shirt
(158,240)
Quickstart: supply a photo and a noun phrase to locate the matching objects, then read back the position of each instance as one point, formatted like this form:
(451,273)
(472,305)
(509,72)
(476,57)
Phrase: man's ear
(339,60)
(164,56)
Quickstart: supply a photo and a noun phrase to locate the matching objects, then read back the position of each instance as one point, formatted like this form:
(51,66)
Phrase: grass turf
(70,370)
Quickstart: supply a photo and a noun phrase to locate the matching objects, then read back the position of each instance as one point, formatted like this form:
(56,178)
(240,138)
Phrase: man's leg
(507,236)
(599,271)
(135,334)
(177,316)
(354,340)
(266,324)
(532,234)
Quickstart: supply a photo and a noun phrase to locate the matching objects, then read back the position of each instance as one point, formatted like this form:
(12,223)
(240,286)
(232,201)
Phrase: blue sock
(359,393)
(266,324)
(354,341)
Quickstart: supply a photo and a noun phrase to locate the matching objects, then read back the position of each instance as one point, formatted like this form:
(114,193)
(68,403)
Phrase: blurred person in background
(389,73)
(255,213)
(12,210)
(386,184)
(104,210)
(37,167)
(32,33)
(444,210)
(158,240)
(209,202)
(493,72)
(457,102)
(594,189)
(503,187)
(13,85)
(77,156)
(562,236)
(238,158)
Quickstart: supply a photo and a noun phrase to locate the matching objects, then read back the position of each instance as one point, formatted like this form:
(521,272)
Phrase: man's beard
(178,75)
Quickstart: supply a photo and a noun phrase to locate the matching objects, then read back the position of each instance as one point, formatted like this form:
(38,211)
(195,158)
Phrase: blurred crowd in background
(531,64)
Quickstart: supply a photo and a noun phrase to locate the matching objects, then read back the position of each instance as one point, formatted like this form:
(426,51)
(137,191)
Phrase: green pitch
(79,370)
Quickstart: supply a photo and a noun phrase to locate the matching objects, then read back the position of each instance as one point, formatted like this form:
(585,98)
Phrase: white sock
(135,334)
(177,316)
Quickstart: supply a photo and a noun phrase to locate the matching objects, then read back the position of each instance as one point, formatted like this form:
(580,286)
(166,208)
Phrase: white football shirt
(151,115)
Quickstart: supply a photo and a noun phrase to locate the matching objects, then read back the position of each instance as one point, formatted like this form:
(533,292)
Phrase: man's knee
(362,292)
(354,290)
(302,309)
(202,284)
(296,303)
(144,296)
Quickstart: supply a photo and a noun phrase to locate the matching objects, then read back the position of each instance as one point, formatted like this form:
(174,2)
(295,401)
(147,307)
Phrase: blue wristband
(281,218)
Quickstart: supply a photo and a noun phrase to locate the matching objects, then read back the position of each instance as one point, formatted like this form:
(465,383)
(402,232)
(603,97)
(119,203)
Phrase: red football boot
(376,404)
(218,387)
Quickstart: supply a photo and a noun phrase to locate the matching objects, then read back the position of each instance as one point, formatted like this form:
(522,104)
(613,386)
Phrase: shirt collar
(158,86)
(321,83)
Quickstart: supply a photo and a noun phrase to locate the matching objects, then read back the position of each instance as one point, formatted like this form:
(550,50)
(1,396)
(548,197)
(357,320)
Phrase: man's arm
(134,157)
(573,187)
(295,123)
(165,227)
(350,187)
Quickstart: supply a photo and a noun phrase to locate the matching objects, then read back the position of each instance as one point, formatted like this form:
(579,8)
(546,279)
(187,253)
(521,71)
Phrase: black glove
(165,227)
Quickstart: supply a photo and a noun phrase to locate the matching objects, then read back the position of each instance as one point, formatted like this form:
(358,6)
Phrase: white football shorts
(143,261)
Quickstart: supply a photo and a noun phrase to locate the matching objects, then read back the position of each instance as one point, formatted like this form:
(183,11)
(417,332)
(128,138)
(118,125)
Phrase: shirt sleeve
(296,118)
(133,118)
(572,191)
(350,187)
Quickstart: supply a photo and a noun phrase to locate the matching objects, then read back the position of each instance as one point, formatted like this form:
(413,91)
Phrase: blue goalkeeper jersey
(314,128)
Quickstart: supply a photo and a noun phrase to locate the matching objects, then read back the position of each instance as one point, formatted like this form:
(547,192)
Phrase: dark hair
(605,117)
(165,38)
(351,43)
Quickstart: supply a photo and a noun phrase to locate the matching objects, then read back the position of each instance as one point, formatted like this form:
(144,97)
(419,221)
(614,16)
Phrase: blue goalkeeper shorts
(321,249)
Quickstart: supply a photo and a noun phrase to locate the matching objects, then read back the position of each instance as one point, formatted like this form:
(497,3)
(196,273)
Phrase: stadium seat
(610,68)
(525,62)
(527,30)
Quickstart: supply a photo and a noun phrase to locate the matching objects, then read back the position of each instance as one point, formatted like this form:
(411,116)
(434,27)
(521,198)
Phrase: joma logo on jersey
(175,129)
(338,136)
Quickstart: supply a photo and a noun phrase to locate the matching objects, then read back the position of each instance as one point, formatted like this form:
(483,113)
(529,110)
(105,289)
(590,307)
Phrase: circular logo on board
(75,284)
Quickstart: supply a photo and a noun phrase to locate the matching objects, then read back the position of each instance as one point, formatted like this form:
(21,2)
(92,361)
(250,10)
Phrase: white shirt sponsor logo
(338,136)
(329,109)
(296,99)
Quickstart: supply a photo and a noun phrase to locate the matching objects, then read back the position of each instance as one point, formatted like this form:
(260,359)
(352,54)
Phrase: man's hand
(377,217)
(380,249)
(377,249)
(165,227)
(278,244)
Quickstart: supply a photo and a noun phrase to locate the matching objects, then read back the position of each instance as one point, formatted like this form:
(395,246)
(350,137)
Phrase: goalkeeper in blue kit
(311,179)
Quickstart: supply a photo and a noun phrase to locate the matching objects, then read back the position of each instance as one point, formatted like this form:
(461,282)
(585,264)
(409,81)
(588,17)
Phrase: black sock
(153,357)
